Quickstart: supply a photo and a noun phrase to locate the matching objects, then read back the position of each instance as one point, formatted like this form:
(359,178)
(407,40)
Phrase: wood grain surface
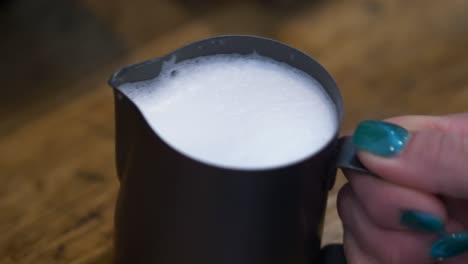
(58,183)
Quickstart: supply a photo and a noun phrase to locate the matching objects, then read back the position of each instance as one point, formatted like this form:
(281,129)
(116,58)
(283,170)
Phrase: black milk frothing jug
(172,209)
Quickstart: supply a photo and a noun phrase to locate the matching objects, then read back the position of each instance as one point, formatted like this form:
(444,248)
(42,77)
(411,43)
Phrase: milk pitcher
(172,209)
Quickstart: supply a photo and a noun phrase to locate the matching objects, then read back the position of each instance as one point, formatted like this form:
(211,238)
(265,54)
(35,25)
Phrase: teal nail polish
(423,222)
(450,245)
(380,138)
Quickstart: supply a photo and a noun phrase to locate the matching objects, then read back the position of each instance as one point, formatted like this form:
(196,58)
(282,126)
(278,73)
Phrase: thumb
(425,153)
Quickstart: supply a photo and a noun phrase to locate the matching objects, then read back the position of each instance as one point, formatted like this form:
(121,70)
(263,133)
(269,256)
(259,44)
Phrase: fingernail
(380,138)
(423,222)
(450,245)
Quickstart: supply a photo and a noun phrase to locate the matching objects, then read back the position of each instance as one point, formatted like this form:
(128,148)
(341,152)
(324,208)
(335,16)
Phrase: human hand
(416,209)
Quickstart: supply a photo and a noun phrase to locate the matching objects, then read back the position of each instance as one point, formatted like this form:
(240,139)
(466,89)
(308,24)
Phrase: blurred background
(58,183)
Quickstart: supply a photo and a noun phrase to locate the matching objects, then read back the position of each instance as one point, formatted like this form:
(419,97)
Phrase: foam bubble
(245,112)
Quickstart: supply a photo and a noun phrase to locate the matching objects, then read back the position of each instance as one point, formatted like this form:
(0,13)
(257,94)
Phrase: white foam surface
(242,112)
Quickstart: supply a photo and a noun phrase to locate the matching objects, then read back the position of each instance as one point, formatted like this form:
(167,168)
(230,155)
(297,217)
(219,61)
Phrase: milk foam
(244,112)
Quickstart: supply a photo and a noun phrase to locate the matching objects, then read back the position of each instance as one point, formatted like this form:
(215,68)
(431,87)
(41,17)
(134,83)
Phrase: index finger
(432,154)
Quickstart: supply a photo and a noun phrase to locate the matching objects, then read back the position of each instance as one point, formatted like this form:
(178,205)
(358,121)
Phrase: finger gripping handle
(347,156)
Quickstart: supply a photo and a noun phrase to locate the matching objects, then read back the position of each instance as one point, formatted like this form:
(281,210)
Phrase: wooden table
(58,183)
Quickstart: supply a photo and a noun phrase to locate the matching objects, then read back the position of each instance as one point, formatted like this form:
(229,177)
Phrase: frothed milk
(243,112)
